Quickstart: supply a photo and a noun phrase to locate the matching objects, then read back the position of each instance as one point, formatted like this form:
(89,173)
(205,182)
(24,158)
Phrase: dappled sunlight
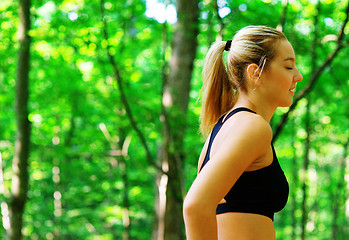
(167,99)
(104,116)
(161,12)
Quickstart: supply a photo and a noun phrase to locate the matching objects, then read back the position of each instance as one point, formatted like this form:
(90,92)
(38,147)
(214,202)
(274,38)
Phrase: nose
(299,76)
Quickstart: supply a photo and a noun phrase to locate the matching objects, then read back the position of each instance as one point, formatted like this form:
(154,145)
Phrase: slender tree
(175,102)
(123,96)
(282,20)
(295,180)
(220,33)
(308,130)
(161,178)
(339,194)
(3,203)
(20,185)
(305,172)
(119,154)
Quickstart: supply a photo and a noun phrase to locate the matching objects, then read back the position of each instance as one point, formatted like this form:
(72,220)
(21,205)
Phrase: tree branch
(314,77)
(123,97)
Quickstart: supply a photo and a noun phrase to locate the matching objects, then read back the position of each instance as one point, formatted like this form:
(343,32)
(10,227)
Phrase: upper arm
(244,144)
(203,153)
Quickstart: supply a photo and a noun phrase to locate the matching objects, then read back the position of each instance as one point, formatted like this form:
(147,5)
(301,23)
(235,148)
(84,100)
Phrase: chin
(286,104)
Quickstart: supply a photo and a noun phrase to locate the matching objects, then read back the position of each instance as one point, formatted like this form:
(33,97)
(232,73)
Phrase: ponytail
(252,44)
(219,94)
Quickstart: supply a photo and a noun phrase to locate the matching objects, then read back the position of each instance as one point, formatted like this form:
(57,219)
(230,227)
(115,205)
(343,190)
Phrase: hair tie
(227,45)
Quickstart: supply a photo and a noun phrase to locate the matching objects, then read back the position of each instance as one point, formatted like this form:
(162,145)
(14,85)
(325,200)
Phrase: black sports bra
(263,191)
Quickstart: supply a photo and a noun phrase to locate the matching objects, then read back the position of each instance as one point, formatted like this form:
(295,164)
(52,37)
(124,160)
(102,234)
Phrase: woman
(240,184)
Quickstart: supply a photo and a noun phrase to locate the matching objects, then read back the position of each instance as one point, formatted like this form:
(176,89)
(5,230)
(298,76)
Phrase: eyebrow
(289,59)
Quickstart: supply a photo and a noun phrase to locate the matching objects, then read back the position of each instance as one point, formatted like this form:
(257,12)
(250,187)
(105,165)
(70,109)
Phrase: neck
(259,107)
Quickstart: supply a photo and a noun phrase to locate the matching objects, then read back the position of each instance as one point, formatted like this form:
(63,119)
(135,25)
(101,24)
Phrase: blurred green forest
(102,132)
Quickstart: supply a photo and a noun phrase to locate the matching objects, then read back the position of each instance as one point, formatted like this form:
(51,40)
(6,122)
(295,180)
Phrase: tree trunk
(305,173)
(282,20)
(338,199)
(126,221)
(119,156)
(220,34)
(293,190)
(175,105)
(3,201)
(57,199)
(161,178)
(20,184)
(308,128)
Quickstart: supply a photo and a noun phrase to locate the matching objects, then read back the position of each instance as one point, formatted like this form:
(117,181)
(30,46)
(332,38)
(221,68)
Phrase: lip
(292,90)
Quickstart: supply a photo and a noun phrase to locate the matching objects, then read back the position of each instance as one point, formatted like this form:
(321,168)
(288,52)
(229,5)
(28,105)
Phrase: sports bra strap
(236,110)
(216,129)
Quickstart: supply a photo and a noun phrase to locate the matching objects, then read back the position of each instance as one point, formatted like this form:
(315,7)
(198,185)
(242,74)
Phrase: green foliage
(77,171)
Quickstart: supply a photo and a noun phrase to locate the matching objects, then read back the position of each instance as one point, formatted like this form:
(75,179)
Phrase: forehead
(285,52)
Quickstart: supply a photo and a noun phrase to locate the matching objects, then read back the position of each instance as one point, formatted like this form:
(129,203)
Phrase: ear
(253,72)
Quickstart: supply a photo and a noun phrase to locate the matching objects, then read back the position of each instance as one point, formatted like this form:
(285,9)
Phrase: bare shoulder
(255,125)
(249,124)
(248,132)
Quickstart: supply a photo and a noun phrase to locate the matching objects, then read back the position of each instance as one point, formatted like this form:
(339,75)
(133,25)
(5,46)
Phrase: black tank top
(263,191)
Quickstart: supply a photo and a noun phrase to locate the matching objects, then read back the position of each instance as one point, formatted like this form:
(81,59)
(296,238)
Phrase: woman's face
(280,79)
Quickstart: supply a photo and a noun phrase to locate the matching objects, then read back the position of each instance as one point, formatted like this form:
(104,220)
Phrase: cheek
(285,78)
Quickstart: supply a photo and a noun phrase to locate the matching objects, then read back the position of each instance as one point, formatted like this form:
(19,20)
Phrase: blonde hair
(222,84)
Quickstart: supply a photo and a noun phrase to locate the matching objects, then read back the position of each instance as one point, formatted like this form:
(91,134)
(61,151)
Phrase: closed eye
(289,68)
